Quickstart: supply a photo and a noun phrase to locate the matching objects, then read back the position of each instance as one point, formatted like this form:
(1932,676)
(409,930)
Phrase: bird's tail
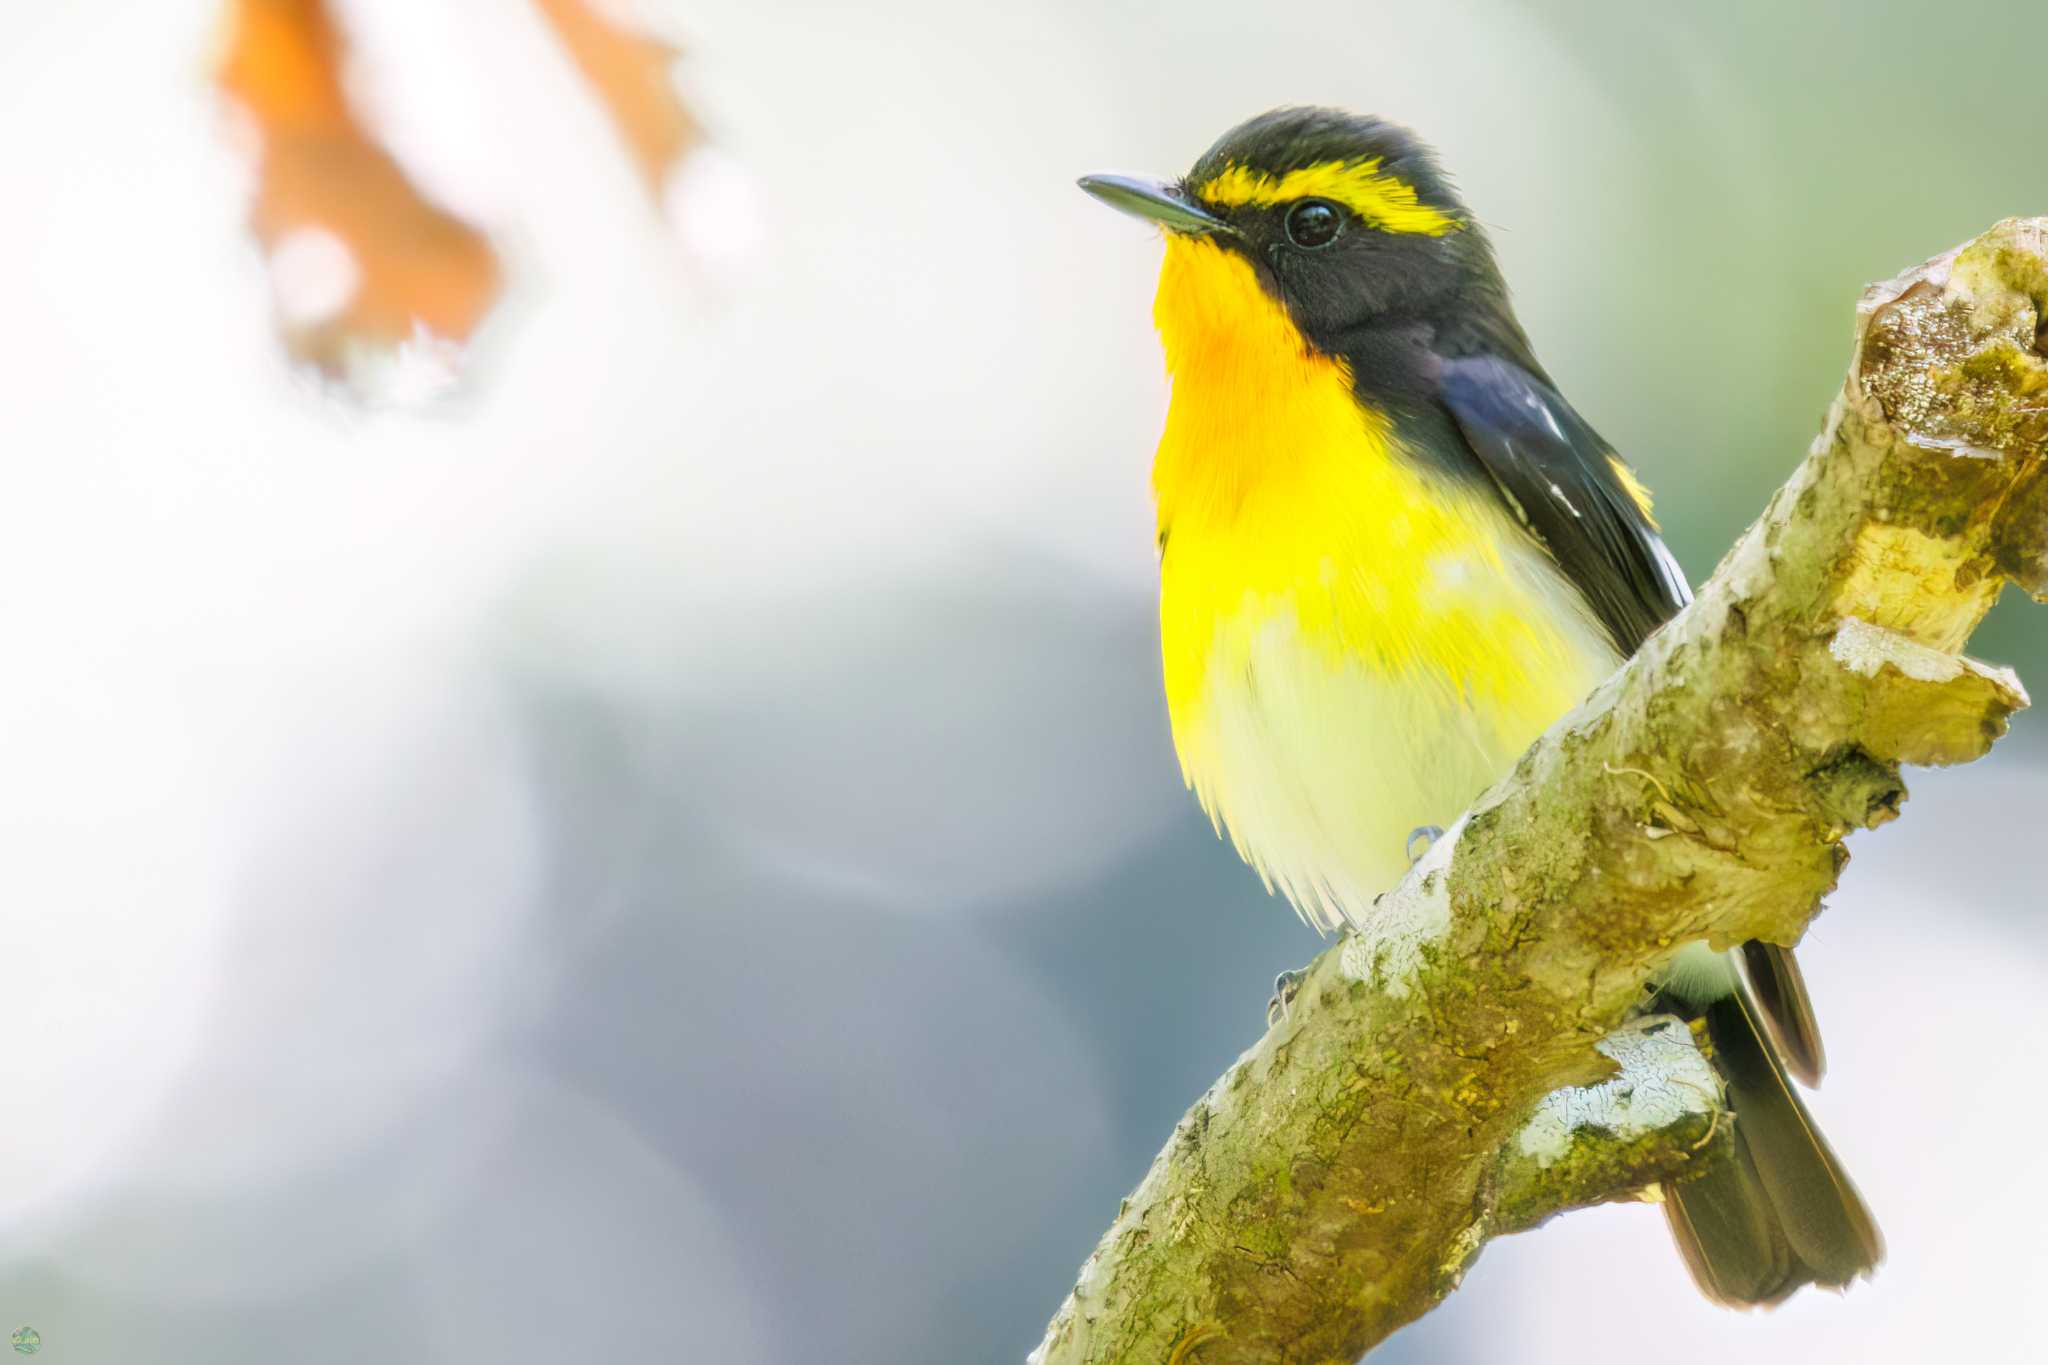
(1781,1213)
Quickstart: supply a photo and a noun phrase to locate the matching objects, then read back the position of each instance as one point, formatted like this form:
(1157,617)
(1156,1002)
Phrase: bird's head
(1343,221)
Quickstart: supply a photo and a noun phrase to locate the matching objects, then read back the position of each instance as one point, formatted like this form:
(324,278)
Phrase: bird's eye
(1313,223)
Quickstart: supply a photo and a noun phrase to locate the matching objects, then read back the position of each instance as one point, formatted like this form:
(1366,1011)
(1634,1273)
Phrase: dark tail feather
(1779,989)
(1781,1212)
(1727,1234)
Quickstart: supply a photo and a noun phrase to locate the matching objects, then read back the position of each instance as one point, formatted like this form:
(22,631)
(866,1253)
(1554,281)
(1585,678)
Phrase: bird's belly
(1320,752)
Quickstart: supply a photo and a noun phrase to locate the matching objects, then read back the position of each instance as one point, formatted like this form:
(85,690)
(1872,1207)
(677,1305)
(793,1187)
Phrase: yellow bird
(1391,555)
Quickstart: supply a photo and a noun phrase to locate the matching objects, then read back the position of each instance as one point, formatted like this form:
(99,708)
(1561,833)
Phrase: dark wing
(1568,488)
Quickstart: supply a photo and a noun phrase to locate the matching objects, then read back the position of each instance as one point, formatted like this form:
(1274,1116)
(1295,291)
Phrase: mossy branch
(1440,1080)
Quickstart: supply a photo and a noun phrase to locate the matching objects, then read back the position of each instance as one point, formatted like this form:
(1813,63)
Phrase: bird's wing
(1571,490)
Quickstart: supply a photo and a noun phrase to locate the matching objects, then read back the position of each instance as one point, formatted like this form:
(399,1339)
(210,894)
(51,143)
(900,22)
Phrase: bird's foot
(1286,986)
(1423,835)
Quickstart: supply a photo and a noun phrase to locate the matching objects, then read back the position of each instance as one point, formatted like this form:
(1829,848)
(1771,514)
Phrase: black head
(1347,219)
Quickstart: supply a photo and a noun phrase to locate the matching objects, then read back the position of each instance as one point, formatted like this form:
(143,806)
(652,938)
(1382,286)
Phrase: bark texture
(1470,1067)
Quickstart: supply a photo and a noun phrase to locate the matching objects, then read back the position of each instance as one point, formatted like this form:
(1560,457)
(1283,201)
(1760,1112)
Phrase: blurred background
(584,770)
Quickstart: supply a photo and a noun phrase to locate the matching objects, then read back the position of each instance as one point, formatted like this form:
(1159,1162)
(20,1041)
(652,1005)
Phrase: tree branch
(1466,1067)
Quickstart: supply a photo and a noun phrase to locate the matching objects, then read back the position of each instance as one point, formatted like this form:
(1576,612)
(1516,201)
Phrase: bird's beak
(1155,202)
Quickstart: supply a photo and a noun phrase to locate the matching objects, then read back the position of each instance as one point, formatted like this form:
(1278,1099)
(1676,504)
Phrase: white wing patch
(1668,572)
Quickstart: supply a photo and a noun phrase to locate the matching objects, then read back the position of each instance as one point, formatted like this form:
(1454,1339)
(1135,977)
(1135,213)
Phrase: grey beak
(1154,201)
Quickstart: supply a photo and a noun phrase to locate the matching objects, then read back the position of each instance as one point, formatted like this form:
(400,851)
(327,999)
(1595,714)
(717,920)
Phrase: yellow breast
(1353,646)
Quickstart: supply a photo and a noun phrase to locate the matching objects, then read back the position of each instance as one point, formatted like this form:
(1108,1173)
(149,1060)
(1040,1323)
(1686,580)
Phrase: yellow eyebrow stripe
(1385,201)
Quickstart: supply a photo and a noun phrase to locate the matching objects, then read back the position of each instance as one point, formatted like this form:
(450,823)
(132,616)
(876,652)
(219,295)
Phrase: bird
(1391,554)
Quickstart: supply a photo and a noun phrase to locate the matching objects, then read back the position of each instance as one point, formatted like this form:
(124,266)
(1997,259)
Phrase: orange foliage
(417,267)
(630,71)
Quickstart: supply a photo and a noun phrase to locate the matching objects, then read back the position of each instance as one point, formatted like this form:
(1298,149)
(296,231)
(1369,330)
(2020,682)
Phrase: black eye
(1313,223)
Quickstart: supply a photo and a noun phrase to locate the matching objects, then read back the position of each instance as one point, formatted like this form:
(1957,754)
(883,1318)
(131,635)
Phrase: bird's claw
(1285,987)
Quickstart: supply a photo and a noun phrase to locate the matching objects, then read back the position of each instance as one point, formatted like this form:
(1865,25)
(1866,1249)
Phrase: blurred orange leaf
(357,255)
(631,73)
